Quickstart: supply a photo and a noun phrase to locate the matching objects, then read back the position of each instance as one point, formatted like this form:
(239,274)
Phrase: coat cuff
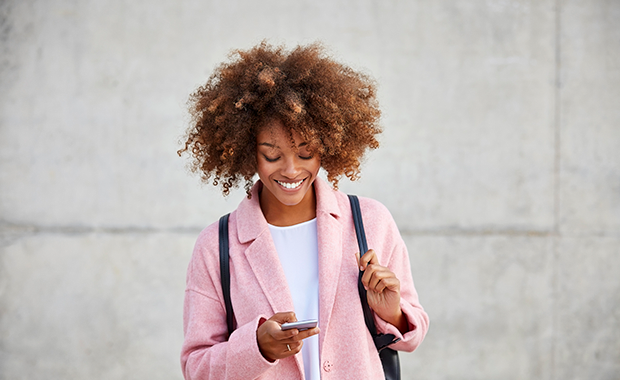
(244,352)
(411,339)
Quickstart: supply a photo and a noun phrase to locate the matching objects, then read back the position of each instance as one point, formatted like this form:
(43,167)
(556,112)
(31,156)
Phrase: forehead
(274,133)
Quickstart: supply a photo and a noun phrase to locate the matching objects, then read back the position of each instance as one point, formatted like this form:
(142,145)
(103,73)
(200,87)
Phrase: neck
(281,215)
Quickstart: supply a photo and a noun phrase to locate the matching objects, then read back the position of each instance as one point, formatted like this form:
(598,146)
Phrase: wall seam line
(556,188)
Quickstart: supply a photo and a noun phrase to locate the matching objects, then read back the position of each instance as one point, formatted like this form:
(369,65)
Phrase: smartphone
(300,325)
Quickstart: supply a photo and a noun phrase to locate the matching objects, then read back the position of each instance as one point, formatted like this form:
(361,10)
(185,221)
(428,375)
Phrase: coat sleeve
(206,354)
(385,238)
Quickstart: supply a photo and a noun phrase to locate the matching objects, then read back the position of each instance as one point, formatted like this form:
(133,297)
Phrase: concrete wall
(500,163)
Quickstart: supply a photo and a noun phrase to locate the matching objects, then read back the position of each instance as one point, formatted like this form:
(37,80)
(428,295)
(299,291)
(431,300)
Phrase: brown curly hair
(332,107)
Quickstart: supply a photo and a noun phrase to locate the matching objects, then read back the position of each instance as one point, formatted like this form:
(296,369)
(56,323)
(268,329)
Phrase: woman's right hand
(274,343)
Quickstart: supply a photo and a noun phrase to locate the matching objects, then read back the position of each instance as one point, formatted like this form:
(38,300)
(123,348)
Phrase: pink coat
(259,289)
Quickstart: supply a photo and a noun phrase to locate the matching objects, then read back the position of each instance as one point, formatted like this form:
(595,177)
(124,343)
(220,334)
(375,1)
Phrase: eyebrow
(269,145)
(277,147)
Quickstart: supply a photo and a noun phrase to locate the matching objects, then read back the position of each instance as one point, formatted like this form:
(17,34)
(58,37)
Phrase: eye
(306,157)
(271,159)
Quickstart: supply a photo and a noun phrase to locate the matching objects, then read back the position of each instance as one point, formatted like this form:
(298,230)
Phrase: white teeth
(293,185)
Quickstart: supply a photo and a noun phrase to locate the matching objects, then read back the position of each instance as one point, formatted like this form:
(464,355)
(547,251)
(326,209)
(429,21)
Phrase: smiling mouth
(290,185)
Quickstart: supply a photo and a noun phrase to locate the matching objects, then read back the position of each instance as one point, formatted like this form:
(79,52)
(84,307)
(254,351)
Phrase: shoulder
(208,237)
(207,242)
(379,225)
(371,208)
(378,219)
(205,256)
(374,208)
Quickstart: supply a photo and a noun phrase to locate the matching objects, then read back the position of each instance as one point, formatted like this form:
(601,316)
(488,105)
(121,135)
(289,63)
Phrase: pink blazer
(259,289)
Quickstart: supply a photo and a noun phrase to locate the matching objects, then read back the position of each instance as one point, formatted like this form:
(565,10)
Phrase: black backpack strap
(363,246)
(381,340)
(225,270)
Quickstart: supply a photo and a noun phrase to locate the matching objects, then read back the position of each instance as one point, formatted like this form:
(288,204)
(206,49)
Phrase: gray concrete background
(500,162)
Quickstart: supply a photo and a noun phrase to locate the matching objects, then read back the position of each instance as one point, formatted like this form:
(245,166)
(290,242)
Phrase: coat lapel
(261,253)
(329,230)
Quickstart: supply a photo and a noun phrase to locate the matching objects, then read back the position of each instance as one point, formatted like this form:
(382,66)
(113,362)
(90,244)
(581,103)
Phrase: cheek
(261,168)
(262,171)
(316,166)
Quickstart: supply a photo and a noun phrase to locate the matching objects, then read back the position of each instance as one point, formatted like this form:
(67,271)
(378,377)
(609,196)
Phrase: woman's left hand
(383,290)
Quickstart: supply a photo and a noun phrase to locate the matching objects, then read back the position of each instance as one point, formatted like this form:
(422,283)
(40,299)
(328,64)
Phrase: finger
(384,280)
(302,335)
(293,348)
(366,276)
(306,334)
(379,286)
(285,335)
(369,273)
(370,257)
(274,329)
(281,335)
(378,274)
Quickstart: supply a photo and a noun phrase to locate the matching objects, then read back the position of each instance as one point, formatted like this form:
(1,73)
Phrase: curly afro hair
(332,107)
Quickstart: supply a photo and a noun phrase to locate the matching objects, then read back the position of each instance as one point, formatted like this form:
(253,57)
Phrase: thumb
(288,316)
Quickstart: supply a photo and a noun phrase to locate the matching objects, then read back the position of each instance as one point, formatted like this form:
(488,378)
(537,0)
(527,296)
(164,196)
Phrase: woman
(293,249)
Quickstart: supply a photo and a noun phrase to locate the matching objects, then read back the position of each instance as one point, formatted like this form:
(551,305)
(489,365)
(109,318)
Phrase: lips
(290,185)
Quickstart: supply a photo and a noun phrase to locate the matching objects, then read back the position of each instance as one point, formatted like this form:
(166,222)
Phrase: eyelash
(277,158)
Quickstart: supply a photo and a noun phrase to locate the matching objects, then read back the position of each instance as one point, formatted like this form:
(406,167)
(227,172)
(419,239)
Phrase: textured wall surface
(500,162)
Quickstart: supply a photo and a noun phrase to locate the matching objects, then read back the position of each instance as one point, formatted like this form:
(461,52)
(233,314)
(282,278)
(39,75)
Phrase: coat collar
(250,219)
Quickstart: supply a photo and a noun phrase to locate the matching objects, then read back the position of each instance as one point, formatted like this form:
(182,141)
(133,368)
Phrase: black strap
(381,340)
(363,246)
(225,271)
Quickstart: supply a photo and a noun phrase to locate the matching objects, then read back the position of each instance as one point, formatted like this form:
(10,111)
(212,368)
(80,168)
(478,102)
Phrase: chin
(291,202)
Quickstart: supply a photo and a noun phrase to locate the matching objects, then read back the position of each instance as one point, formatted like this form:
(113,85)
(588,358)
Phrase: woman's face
(287,173)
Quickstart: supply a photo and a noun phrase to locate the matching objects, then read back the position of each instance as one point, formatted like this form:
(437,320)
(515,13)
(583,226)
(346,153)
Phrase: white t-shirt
(298,250)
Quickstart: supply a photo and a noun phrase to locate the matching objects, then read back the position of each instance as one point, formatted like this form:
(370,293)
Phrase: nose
(290,169)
